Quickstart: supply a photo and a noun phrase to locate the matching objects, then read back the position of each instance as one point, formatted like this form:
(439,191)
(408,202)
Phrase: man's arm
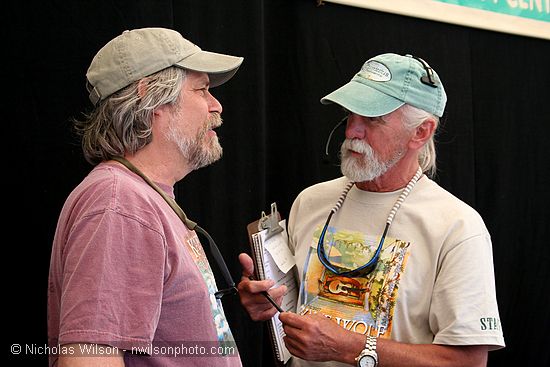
(88,355)
(316,338)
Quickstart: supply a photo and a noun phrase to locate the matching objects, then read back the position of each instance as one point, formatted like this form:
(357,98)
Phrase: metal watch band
(368,353)
(370,344)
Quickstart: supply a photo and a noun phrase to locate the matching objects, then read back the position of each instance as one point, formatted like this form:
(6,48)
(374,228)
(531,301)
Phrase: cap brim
(363,100)
(219,67)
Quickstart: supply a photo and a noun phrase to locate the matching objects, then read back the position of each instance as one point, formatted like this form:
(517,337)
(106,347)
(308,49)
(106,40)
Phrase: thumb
(247,264)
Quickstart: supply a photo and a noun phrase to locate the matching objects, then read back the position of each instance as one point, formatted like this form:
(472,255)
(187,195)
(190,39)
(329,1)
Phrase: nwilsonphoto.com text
(184,349)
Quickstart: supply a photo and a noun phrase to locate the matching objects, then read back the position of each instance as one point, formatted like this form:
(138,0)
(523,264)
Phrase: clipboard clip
(270,222)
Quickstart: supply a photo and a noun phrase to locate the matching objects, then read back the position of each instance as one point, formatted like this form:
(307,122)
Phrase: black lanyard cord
(192,226)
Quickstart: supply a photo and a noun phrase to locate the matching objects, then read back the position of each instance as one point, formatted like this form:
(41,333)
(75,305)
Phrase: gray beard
(365,168)
(199,152)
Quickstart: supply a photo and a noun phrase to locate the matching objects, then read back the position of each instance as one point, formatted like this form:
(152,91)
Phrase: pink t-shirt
(126,272)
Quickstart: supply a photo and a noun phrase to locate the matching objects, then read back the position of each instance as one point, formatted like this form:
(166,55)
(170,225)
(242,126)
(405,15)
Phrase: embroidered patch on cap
(375,71)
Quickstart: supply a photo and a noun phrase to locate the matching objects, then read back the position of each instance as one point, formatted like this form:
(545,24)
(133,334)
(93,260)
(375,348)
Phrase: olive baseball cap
(388,81)
(138,53)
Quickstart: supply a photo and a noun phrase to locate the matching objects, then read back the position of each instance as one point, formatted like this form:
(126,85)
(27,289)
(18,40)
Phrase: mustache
(214,121)
(356,145)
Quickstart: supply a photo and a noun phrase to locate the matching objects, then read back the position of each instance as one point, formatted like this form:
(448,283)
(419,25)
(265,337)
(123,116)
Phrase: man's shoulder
(436,199)
(325,187)
(112,187)
(429,187)
(109,180)
(319,196)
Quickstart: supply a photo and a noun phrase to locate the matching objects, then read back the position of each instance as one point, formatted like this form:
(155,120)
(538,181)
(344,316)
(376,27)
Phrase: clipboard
(270,230)
(269,222)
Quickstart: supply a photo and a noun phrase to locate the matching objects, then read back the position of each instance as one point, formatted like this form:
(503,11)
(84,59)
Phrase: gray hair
(412,118)
(123,122)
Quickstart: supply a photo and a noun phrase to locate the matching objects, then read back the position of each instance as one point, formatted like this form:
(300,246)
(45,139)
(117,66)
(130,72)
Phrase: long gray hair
(412,118)
(122,123)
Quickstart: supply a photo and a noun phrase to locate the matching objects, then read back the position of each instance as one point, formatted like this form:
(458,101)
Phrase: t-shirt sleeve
(113,280)
(464,307)
(291,227)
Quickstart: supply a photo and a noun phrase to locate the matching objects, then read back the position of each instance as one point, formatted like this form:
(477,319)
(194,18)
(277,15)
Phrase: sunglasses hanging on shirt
(370,265)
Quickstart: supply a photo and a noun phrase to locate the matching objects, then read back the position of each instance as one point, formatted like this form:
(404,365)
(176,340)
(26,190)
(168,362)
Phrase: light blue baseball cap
(388,81)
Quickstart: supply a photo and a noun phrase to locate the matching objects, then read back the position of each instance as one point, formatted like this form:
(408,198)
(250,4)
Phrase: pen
(269,298)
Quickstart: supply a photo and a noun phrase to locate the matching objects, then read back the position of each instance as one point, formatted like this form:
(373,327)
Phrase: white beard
(369,166)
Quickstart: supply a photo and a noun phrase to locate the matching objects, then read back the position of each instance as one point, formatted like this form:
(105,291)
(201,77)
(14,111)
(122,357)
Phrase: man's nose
(356,127)
(214,104)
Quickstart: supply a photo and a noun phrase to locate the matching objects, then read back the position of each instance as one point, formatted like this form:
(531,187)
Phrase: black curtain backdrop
(492,144)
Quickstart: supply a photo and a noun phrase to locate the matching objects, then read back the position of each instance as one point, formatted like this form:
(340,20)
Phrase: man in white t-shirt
(394,270)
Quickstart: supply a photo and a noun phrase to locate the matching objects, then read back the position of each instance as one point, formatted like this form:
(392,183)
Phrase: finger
(292,346)
(247,264)
(290,331)
(254,286)
(268,313)
(261,312)
(278,293)
(256,300)
(256,303)
(292,320)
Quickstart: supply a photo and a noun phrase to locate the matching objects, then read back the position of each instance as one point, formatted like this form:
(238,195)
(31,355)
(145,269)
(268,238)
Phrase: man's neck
(394,179)
(157,167)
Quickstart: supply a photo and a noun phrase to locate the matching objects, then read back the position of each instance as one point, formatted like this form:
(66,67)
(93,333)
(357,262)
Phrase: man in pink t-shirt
(129,283)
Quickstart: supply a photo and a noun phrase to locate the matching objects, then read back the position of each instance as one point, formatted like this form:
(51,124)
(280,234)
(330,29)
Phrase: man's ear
(423,133)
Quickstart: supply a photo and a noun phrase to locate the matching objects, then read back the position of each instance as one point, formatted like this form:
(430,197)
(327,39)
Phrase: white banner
(524,17)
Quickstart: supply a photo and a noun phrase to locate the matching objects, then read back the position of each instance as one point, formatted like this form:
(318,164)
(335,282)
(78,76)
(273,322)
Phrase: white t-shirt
(434,281)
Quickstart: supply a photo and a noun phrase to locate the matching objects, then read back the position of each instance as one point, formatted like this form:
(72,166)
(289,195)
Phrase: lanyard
(192,226)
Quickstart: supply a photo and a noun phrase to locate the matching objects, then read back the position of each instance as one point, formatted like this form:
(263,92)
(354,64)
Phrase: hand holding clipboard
(272,260)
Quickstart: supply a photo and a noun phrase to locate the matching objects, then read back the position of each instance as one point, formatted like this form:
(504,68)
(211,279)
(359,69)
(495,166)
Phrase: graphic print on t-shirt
(363,304)
(225,337)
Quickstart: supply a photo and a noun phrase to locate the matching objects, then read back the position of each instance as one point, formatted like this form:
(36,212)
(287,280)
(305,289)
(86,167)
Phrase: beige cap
(138,53)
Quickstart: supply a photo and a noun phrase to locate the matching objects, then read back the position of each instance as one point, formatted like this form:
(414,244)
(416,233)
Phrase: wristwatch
(368,356)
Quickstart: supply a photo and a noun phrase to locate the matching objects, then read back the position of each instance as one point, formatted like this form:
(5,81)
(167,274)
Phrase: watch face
(367,361)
